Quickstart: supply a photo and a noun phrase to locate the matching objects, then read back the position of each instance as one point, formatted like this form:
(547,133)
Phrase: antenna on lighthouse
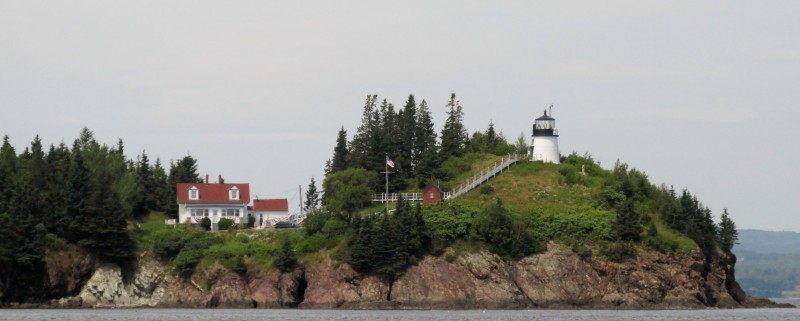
(551,110)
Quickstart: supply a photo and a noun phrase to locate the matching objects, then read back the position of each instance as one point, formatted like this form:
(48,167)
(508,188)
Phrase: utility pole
(300,191)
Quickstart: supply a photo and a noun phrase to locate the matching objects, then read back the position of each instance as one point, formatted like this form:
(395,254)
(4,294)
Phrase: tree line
(408,137)
(79,196)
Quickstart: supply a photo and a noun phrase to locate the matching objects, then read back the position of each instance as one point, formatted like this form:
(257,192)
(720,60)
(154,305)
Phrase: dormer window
(233,194)
(194,194)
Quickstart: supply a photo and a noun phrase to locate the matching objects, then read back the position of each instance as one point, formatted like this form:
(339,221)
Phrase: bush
(582,251)
(205,223)
(334,227)
(186,261)
(618,251)
(168,243)
(486,189)
(451,221)
(225,224)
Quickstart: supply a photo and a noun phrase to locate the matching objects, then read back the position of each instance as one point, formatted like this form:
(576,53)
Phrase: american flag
(389,162)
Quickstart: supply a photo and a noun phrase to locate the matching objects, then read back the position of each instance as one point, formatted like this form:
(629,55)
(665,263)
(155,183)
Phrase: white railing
(484,175)
(393,197)
(470,184)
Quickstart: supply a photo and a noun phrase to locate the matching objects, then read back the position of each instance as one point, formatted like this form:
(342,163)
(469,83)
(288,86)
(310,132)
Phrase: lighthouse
(545,140)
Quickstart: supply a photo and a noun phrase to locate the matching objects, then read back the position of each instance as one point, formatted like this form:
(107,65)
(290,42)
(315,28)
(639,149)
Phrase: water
(395,315)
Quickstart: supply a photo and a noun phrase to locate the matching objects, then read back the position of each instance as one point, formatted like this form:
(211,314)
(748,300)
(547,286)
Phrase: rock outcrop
(557,278)
(107,288)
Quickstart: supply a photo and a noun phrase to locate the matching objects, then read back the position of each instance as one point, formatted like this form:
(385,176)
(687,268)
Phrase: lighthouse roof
(545,117)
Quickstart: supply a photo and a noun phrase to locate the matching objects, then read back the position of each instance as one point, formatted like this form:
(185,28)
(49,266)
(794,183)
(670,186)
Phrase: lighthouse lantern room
(545,140)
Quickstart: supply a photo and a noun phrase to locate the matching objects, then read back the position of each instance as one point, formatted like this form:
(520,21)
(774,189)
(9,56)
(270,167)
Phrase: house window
(194,194)
(199,212)
(231,212)
(431,195)
(233,193)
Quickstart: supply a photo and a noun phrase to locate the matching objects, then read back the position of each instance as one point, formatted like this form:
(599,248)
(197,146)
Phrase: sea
(786,314)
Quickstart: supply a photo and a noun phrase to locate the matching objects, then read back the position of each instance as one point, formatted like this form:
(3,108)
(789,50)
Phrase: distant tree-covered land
(768,263)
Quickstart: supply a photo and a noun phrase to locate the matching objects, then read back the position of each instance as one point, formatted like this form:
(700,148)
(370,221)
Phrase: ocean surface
(394,315)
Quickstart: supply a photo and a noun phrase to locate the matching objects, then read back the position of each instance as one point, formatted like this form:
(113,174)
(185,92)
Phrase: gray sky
(697,94)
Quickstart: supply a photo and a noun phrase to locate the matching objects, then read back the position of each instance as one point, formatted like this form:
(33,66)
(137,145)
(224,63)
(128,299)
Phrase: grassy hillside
(514,215)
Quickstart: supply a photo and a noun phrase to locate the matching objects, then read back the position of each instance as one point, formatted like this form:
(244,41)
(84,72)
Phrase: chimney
(206,178)
(221,181)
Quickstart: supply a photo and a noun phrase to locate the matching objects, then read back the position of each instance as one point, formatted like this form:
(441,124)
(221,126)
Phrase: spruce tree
(454,135)
(406,140)
(360,152)
(340,152)
(8,170)
(286,261)
(425,149)
(312,197)
(628,226)
(726,232)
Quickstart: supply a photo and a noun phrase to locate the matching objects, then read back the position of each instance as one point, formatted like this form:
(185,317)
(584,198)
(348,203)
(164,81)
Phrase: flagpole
(386,164)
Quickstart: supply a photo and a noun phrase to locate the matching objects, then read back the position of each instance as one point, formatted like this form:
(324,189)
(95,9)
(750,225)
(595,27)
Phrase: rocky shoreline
(556,279)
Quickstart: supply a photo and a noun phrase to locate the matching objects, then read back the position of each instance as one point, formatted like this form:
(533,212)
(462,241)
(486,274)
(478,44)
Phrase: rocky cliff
(557,278)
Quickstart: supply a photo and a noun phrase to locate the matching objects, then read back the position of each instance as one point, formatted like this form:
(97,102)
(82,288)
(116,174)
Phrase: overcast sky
(697,94)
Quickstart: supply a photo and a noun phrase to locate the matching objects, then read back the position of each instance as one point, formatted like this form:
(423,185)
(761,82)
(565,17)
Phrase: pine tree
(340,152)
(8,170)
(407,129)
(726,232)
(492,140)
(286,261)
(183,171)
(312,197)
(628,226)
(360,151)
(145,198)
(161,187)
(454,135)
(426,154)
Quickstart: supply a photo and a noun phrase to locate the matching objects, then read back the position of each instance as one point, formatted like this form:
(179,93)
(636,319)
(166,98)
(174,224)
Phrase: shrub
(205,223)
(186,261)
(168,243)
(582,251)
(334,227)
(486,189)
(618,251)
(225,224)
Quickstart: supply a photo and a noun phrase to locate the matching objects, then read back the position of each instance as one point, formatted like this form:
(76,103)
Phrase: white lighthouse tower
(545,140)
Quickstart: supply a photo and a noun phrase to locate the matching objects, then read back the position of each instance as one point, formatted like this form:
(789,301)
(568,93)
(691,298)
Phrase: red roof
(273,205)
(213,193)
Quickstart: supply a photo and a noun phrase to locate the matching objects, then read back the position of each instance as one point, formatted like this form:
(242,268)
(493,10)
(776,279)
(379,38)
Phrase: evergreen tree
(77,190)
(340,153)
(406,140)
(286,261)
(161,187)
(492,140)
(521,146)
(726,232)
(426,154)
(312,197)
(183,171)
(360,148)
(144,200)
(628,226)
(8,170)
(361,243)
(454,135)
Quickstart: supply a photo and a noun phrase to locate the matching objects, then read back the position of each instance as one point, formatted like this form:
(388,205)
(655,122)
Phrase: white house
(215,201)
(270,211)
